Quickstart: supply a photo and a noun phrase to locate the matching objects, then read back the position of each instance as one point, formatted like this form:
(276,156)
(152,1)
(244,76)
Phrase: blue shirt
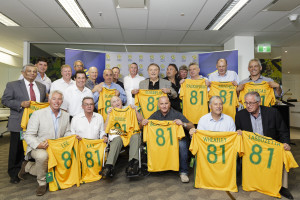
(229,76)
(256,123)
(55,121)
(225,123)
(112,86)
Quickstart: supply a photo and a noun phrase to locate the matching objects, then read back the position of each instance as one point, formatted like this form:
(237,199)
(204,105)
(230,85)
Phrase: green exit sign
(264,48)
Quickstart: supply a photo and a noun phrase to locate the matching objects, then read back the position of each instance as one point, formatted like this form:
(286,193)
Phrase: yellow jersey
(63,163)
(216,154)
(147,100)
(265,91)
(162,139)
(27,114)
(91,157)
(104,101)
(124,120)
(263,161)
(227,91)
(194,97)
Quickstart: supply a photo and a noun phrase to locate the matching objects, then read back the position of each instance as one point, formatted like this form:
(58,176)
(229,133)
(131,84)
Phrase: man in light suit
(47,123)
(156,83)
(17,96)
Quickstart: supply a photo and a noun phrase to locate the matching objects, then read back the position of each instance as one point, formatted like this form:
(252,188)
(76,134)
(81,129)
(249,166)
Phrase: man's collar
(260,77)
(212,119)
(27,82)
(224,74)
(59,113)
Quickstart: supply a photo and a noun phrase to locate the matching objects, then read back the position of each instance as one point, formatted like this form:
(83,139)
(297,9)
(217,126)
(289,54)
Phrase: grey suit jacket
(16,92)
(40,127)
(162,84)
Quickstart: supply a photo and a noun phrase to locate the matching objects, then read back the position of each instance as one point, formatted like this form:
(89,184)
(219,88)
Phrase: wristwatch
(184,124)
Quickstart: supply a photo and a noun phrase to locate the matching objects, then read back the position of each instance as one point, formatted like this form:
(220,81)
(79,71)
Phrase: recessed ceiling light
(8,51)
(285,51)
(6,21)
(181,14)
(288,72)
(226,13)
(72,8)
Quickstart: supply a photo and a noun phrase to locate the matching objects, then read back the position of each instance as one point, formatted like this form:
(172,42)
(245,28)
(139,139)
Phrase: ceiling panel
(19,13)
(209,11)
(246,14)
(164,36)
(262,20)
(273,38)
(107,8)
(132,18)
(90,35)
(47,14)
(205,37)
(134,36)
(162,15)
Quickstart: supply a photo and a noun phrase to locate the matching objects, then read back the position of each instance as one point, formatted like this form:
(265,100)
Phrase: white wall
(292,82)
(8,73)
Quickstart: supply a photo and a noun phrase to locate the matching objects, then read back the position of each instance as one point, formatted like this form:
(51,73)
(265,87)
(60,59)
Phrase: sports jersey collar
(260,77)
(212,119)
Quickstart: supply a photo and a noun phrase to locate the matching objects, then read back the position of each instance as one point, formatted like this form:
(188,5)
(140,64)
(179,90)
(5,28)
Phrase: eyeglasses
(251,103)
(88,104)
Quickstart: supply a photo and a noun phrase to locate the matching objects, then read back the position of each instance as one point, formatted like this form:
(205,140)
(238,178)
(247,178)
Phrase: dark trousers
(16,154)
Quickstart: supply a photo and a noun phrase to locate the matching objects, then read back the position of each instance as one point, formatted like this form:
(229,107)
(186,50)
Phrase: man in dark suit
(264,121)
(17,96)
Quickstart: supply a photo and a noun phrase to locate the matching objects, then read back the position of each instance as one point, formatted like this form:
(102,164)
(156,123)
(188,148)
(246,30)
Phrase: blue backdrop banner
(89,58)
(207,61)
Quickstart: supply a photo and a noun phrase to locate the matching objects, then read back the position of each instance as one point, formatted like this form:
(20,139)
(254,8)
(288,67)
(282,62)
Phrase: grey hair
(57,92)
(78,61)
(85,98)
(256,94)
(28,65)
(255,60)
(213,98)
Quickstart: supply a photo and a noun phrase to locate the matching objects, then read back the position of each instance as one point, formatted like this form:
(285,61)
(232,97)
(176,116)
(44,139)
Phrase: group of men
(72,104)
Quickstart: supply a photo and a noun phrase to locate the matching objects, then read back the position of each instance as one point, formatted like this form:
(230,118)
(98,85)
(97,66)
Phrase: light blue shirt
(257,123)
(112,86)
(225,123)
(229,76)
(55,122)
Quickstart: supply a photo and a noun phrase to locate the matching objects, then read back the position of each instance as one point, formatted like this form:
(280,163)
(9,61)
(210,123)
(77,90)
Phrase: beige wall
(8,73)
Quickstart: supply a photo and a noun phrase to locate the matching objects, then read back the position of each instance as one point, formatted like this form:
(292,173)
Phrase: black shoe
(133,168)
(286,193)
(14,180)
(106,171)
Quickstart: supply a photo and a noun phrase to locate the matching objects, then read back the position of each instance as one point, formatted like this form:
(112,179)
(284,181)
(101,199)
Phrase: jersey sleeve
(240,145)
(24,119)
(180,132)
(289,160)
(182,90)
(51,158)
(134,122)
(110,121)
(194,146)
(145,133)
(136,100)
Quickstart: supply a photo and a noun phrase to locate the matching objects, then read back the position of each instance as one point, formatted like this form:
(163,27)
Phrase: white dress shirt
(46,80)
(73,99)
(131,84)
(61,85)
(85,129)
(225,123)
(229,76)
(35,89)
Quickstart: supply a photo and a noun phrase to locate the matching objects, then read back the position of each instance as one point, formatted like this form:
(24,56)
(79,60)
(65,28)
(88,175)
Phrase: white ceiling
(160,23)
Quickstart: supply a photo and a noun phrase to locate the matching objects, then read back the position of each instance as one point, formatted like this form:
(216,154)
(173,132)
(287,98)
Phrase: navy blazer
(16,92)
(272,122)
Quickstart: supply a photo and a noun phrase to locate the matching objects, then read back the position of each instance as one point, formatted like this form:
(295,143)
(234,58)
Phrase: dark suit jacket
(16,92)
(272,122)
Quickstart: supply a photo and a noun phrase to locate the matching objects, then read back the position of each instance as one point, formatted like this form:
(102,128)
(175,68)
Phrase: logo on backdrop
(194,58)
(120,66)
(173,58)
(129,58)
(162,58)
(119,57)
(107,66)
(152,58)
(107,57)
(183,58)
(141,67)
(141,58)
(162,66)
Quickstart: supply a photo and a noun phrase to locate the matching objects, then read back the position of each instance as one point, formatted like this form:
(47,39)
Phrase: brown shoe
(22,170)
(41,190)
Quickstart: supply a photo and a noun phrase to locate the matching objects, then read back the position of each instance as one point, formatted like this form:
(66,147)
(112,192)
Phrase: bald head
(108,76)
(116,102)
(93,73)
(164,105)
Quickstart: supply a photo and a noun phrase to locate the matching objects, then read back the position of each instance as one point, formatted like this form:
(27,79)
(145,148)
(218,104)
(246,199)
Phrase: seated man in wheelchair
(122,128)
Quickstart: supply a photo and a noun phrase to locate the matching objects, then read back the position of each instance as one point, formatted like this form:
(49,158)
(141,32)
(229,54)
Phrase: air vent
(131,3)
